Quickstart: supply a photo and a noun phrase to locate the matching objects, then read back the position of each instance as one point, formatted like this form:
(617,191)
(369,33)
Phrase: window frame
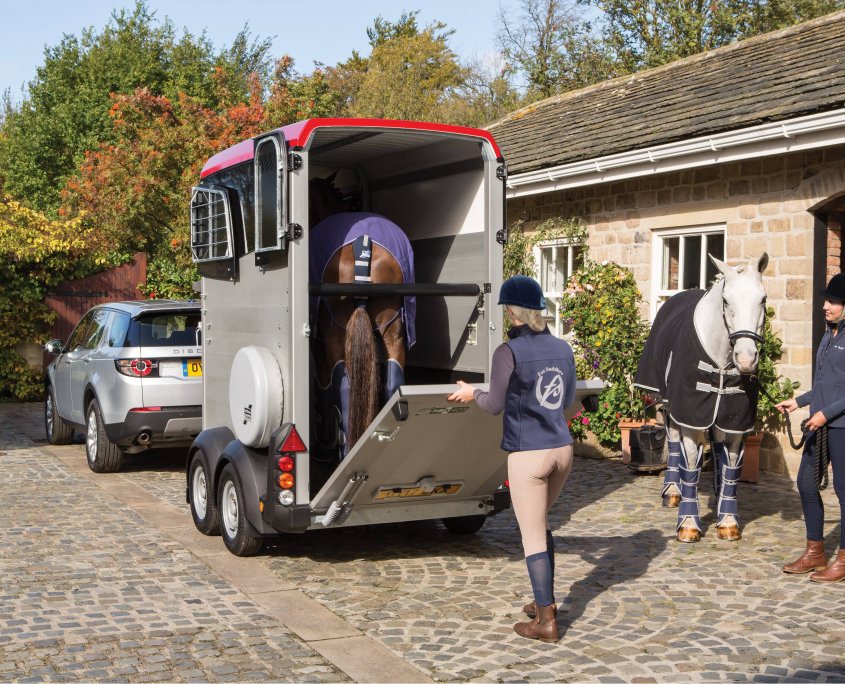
(659,294)
(557,326)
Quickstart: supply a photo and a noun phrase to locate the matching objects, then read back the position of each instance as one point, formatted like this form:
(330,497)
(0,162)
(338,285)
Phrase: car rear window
(165,330)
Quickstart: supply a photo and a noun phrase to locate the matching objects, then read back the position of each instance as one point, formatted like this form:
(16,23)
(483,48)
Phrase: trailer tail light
(285,480)
(286,464)
(293,443)
(137,368)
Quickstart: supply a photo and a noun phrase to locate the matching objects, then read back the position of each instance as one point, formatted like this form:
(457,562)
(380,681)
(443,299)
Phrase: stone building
(733,152)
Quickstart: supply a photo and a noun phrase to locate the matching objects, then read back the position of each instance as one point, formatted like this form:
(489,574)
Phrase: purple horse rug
(339,230)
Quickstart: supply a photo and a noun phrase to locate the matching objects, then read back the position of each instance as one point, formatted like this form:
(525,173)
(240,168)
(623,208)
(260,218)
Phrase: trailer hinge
(502,236)
(294,161)
(294,232)
(501,172)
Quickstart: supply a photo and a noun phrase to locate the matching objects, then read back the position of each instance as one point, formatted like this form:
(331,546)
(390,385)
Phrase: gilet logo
(549,388)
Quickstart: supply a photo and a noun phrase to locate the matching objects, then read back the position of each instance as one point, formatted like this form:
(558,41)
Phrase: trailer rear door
(424,457)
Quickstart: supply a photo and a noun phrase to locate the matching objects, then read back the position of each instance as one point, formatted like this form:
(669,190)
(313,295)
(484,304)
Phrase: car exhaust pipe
(144,437)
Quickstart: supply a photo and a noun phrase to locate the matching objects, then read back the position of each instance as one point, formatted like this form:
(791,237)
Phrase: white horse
(700,357)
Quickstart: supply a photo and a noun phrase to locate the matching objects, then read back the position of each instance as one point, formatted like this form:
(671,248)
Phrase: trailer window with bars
(211,234)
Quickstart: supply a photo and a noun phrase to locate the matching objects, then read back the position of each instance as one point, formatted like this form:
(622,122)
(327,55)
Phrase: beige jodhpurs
(536,478)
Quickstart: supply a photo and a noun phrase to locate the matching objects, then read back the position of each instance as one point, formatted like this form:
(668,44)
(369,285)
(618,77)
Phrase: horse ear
(721,265)
(762,262)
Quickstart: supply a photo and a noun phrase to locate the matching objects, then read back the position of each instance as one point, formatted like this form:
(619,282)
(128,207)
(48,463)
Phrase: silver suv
(129,377)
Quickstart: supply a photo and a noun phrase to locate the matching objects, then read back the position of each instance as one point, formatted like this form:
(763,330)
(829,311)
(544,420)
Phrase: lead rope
(822,451)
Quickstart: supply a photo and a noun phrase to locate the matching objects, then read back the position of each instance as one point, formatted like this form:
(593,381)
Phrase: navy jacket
(828,393)
(541,386)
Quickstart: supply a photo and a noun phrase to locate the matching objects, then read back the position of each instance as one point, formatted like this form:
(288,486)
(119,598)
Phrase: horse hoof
(689,535)
(729,532)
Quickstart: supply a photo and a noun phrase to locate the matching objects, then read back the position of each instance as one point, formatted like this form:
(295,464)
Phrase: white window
(679,260)
(556,261)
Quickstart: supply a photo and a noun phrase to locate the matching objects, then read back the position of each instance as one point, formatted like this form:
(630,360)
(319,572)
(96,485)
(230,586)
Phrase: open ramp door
(422,458)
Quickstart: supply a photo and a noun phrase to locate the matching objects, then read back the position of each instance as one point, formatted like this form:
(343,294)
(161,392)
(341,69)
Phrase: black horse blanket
(675,366)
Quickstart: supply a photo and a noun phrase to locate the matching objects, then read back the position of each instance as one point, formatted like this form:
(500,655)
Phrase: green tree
(654,32)
(66,109)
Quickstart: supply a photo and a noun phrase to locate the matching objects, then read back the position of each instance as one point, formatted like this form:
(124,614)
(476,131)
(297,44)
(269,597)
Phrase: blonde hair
(532,317)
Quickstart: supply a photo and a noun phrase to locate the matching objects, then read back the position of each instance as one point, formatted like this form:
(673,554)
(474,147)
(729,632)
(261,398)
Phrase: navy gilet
(541,386)
(829,379)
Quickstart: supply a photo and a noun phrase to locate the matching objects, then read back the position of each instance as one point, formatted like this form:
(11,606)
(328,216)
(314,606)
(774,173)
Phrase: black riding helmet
(835,289)
(522,291)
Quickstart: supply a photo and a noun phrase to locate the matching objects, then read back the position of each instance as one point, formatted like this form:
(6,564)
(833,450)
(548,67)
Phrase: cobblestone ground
(87,591)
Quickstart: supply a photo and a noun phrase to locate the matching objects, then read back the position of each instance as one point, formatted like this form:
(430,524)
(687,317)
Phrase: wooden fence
(71,299)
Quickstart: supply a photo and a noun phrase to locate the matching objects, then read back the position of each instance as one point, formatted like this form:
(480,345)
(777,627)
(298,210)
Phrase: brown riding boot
(813,558)
(530,609)
(835,572)
(542,627)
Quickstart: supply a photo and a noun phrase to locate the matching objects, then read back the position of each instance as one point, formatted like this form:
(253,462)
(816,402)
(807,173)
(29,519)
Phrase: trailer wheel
(104,456)
(230,503)
(58,431)
(203,505)
(466,524)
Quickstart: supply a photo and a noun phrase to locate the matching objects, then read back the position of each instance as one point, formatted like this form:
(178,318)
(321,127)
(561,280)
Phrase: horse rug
(339,230)
(674,365)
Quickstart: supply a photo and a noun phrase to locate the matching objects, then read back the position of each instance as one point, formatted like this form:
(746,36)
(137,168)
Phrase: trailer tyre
(466,524)
(58,431)
(104,456)
(203,504)
(233,523)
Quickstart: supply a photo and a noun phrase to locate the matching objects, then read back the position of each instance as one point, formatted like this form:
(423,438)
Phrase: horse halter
(734,336)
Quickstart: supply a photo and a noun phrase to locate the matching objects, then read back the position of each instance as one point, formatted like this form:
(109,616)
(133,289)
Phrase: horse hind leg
(727,526)
(689,524)
(671,480)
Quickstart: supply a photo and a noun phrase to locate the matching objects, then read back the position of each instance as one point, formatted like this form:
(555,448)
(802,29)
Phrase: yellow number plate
(192,368)
(407,492)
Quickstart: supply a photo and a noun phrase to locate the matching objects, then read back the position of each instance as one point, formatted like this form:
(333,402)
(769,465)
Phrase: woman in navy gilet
(532,381)
(827,409)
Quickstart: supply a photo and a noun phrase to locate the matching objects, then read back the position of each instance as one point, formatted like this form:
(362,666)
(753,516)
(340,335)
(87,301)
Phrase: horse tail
(362,369)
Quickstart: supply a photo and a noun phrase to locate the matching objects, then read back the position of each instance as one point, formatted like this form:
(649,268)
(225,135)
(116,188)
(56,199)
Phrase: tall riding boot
(813,558)
(542,627)
(835,572)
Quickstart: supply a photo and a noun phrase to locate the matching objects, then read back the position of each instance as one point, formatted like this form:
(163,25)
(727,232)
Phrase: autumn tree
(66,108)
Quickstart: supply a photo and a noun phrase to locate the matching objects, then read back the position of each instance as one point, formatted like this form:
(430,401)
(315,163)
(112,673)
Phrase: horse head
(325,199)
(744,310)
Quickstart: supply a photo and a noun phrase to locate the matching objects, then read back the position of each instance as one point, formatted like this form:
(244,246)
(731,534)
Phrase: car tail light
(145,408)
(137,368)
(285,480)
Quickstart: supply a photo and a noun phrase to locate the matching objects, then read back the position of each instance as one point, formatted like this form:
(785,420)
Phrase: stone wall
(765,204)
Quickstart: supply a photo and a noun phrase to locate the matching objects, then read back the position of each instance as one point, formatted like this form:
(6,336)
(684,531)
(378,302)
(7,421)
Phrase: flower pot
(751,458)
(625,427)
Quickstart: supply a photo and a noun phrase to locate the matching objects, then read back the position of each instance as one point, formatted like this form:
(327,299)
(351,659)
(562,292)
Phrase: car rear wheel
(104,456)
(203,506)
(58,431)
(467,524)
(233,524)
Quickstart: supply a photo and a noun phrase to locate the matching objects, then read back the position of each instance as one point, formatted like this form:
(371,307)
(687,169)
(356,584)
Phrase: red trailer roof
(297,135)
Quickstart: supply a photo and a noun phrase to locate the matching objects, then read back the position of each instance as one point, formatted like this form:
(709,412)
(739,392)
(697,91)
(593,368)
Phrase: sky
(307,30)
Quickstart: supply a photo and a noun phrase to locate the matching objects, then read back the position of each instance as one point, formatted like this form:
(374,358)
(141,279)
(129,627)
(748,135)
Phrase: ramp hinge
(294,161)
(502,236)
(501,172)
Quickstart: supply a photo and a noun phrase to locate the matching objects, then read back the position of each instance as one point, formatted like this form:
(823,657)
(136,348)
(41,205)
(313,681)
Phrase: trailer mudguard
(251,466)
(211,442)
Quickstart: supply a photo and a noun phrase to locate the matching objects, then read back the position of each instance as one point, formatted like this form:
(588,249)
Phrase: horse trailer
(250,473)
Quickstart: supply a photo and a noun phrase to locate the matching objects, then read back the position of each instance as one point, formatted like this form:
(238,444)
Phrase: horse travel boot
(542,627)
(813,558)
(835,572)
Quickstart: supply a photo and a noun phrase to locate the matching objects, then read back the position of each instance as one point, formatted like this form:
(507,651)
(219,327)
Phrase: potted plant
(769,419)
(601,306)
